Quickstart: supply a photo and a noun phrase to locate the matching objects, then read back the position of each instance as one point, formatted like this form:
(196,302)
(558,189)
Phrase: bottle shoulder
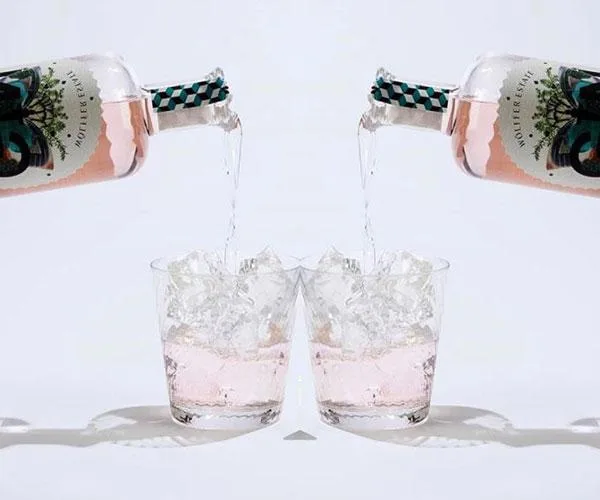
(484,78)
(116,78)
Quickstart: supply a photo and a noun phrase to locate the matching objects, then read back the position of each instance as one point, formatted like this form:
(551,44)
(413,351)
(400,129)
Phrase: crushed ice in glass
(392,305)
(231,313)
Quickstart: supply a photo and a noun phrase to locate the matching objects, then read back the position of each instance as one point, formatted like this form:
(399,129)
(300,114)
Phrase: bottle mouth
(196,102)
(401,102)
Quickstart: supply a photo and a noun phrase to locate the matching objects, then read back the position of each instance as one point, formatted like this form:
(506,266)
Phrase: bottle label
(549,121)
(50,122)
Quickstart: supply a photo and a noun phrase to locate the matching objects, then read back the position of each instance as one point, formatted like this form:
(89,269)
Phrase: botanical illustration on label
(50,121)
(549,119)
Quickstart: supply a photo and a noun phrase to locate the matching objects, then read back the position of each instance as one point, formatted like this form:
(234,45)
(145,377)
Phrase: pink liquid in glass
(224,386)
(394,386)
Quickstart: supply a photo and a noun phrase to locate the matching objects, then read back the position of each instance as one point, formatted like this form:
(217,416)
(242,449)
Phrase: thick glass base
(372,418)
(224,418)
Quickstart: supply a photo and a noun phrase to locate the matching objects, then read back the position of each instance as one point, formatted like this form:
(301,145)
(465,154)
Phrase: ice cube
(264,281)
(412,269)
(205,305)
(369,313)
(336,279)
(264,262)
(232,313)
(407,280)
(227,314)
(334,261)
(395,303)
(198,262)
(189,269)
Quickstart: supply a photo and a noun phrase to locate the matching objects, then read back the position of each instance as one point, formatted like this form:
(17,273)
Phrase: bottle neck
(395,102)
(189,104)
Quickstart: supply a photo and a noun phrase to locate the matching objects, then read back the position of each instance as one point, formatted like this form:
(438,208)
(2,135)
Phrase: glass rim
(291,264)
(440,266)
(161,265)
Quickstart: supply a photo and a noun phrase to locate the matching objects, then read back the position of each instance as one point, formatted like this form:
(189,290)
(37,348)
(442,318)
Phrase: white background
(521,330)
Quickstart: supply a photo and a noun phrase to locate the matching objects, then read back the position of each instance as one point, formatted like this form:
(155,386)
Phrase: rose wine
(120,151)
(201,380)
(397,382)
(479,150)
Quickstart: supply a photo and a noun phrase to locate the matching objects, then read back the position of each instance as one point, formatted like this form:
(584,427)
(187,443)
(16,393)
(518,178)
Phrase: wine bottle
(70,121)
(513,119)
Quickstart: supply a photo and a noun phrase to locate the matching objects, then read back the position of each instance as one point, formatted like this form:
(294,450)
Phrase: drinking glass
(374,337)
(225,337)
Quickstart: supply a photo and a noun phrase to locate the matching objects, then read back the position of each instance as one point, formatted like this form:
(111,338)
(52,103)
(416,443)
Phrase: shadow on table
(140,426)
(461,426)
(447,427)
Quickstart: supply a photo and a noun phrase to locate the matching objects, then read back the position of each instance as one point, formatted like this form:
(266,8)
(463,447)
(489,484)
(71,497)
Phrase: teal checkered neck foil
(409,95)
(211,90)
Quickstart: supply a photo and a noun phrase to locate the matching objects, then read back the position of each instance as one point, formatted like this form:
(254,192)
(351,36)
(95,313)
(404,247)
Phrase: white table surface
(82,394)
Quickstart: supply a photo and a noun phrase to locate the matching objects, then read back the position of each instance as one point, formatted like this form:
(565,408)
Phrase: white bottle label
(50,122)
(549,122)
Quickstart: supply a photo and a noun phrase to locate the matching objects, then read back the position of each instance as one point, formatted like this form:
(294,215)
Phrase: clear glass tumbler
(373,338)
(226,338)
